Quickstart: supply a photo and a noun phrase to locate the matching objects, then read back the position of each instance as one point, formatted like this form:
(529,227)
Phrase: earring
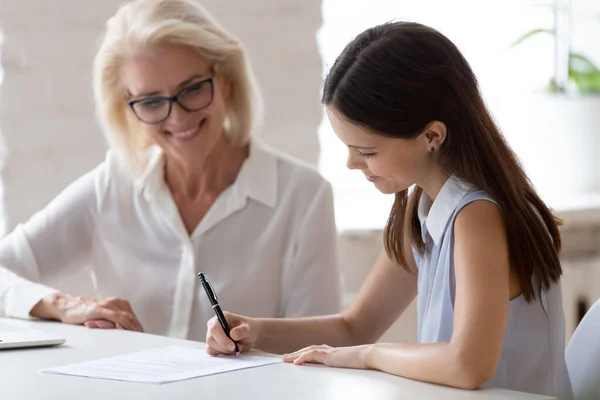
(432,149)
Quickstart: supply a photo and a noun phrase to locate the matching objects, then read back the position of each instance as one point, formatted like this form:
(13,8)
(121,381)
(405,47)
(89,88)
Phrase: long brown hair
(395,79)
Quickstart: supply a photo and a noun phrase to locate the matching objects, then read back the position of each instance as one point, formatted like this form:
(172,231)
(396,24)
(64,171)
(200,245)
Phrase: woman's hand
(245,331)
(107,313)
(342,357)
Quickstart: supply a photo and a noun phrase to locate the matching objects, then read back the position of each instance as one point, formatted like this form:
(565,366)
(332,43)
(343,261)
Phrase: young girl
(473,239)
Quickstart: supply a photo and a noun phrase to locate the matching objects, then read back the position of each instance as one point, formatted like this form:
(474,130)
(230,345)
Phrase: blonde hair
(142,23)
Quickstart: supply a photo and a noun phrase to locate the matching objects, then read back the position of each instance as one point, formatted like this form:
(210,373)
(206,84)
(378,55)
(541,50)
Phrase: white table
(20,378)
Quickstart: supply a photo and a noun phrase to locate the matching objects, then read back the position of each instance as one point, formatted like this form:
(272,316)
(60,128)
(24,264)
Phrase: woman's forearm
(440,363)
(287,335)
(49,306)
(18,296)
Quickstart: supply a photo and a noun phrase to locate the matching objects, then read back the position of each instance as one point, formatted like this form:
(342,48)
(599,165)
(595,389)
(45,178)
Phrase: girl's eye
(366,155)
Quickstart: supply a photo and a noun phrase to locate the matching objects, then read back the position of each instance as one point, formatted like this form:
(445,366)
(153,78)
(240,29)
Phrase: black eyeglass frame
(175,99)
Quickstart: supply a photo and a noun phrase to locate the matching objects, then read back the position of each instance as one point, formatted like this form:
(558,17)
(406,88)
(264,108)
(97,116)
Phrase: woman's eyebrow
(179,86)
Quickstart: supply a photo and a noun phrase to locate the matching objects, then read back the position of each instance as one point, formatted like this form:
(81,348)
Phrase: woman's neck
(210,174)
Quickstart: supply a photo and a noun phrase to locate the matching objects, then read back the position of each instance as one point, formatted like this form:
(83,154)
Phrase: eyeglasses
(194,97)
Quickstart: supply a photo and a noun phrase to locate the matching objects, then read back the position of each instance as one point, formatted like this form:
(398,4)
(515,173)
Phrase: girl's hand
(245,331)
(342,357)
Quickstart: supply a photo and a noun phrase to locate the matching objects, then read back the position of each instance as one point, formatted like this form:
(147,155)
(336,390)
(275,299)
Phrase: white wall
(46,108)
(47,115)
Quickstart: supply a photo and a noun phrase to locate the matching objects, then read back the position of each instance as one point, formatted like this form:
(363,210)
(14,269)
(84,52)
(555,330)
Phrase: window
(509,77)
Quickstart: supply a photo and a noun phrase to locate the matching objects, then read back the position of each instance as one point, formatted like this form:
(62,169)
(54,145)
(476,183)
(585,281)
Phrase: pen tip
(238,354)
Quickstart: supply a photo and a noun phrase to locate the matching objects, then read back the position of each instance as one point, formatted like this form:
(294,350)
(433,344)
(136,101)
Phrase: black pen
(212,297)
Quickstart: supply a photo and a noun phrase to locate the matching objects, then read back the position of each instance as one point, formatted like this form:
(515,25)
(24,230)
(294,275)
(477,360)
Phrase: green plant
(582,72)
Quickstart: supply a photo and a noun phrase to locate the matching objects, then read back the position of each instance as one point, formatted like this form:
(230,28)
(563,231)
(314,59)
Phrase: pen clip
(212,289)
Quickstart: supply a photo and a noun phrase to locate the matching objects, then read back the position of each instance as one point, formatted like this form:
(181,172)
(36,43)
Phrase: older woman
(183,189)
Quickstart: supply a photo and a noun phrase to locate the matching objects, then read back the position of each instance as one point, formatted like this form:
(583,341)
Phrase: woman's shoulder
(116,173)
(114,169)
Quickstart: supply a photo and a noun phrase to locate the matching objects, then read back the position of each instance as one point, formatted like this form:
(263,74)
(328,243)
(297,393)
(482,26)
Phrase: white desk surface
(20,377)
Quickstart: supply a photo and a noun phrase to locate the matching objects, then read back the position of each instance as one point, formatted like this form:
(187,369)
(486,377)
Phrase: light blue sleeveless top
(533,353)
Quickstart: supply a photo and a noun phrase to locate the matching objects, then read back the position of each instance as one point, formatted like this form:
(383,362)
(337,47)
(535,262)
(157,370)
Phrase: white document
(163,365)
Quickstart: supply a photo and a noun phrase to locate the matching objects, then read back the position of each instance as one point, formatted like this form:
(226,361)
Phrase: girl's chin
(389,189)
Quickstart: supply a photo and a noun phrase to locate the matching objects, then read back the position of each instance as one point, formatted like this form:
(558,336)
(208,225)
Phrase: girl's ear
(434,135)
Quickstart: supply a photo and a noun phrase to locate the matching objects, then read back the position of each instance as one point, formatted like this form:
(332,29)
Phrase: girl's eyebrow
(361,147)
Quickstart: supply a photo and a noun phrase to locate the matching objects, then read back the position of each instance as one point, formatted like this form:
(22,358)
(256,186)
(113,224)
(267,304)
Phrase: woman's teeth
(184,134)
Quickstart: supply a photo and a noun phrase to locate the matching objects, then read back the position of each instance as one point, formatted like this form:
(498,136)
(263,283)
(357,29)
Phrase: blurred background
(537,64)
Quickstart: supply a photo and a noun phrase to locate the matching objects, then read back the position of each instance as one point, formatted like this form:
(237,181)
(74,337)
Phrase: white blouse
(267,244)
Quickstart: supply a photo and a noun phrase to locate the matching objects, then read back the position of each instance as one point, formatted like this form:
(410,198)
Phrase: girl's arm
(387,291)
(483,287)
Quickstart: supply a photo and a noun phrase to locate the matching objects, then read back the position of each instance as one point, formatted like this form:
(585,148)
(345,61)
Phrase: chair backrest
(583,356)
